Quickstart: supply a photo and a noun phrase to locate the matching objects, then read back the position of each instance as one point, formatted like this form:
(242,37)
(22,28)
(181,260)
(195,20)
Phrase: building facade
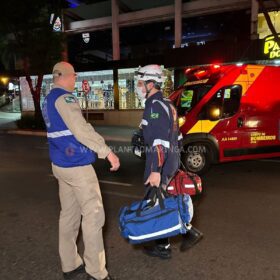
(108,40)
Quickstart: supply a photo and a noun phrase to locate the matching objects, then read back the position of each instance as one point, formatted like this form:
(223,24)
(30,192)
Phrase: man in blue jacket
(160,131)
(73,146)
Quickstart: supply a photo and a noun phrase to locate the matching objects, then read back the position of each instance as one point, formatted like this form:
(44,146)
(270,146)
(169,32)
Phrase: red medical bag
(184,183)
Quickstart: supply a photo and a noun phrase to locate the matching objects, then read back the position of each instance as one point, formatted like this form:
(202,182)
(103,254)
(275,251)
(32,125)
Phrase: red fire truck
(228,113)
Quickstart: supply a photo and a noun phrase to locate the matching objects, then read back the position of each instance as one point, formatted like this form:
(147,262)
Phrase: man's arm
(158,125)
(70,111)
(158,141)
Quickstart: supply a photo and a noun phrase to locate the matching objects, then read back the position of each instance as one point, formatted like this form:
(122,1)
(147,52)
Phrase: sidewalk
(8,120)
(9,114)
(12,107)
(110,133)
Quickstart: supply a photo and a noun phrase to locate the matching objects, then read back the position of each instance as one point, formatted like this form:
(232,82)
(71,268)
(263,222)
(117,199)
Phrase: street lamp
(4,80)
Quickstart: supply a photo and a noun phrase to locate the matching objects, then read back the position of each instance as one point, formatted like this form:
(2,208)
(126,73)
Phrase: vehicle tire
(197,158)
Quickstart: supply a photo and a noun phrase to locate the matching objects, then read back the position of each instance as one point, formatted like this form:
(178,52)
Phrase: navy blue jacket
(160,131)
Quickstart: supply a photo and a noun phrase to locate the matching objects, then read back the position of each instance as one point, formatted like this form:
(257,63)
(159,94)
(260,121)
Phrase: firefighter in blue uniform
(160,131)
(73,146)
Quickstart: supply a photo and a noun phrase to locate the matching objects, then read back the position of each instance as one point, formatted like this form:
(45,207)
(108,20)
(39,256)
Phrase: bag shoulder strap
(191,177)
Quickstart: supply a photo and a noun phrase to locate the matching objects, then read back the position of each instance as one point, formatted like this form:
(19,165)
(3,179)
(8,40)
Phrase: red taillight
(188,70)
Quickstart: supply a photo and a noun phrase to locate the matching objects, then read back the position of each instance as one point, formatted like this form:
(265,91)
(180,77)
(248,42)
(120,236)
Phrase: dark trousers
(163,241)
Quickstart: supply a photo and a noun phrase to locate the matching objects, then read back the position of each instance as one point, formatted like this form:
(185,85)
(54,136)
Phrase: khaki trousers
(80,195)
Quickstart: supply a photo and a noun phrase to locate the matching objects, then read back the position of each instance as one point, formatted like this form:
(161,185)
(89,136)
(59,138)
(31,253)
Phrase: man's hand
(154,179)
(114,161)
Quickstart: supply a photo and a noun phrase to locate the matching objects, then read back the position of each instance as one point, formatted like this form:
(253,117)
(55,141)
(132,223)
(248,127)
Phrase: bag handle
(152,193)
(147,194)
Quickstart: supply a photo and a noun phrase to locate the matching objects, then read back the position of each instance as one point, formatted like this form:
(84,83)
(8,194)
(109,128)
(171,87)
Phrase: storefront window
(128,99)
(100,94)
(263,29)
(26,97)
(94,89)
(168,84)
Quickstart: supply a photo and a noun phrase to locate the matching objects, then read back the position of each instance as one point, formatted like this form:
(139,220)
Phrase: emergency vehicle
(228,113)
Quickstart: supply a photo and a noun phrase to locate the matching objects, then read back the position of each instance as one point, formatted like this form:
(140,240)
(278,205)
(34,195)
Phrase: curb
(25,132)
(44,134)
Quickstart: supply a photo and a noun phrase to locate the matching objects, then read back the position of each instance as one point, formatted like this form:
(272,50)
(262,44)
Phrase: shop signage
(57,25)
(271,48)
(86,37)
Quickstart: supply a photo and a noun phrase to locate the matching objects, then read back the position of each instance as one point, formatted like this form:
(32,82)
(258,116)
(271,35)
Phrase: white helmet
(151,72)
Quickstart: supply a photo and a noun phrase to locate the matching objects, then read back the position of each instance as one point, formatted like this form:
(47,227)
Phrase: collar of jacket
(60,87)
(158,95)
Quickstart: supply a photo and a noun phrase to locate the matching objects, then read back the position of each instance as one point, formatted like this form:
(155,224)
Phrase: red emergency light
(215,68)
(204,71)
(200,74)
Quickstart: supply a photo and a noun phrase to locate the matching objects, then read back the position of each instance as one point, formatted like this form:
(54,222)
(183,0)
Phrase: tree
(27,23)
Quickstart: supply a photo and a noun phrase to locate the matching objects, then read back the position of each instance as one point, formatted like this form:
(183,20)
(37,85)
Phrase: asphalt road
(239,215)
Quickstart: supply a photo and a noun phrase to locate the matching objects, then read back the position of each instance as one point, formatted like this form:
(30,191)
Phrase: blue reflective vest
(64,149)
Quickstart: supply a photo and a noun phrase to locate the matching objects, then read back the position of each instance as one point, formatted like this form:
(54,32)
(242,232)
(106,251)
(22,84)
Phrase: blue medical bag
(156,216)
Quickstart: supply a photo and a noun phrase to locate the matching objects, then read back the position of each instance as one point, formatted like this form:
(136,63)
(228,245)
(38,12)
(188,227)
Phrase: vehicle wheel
(197,158)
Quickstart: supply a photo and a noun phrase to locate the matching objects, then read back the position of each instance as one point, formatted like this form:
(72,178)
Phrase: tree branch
(269,22)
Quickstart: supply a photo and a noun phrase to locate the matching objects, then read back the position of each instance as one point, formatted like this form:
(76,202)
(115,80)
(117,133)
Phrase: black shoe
(192,237)
(161,251)
(72,274)
(108,277)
